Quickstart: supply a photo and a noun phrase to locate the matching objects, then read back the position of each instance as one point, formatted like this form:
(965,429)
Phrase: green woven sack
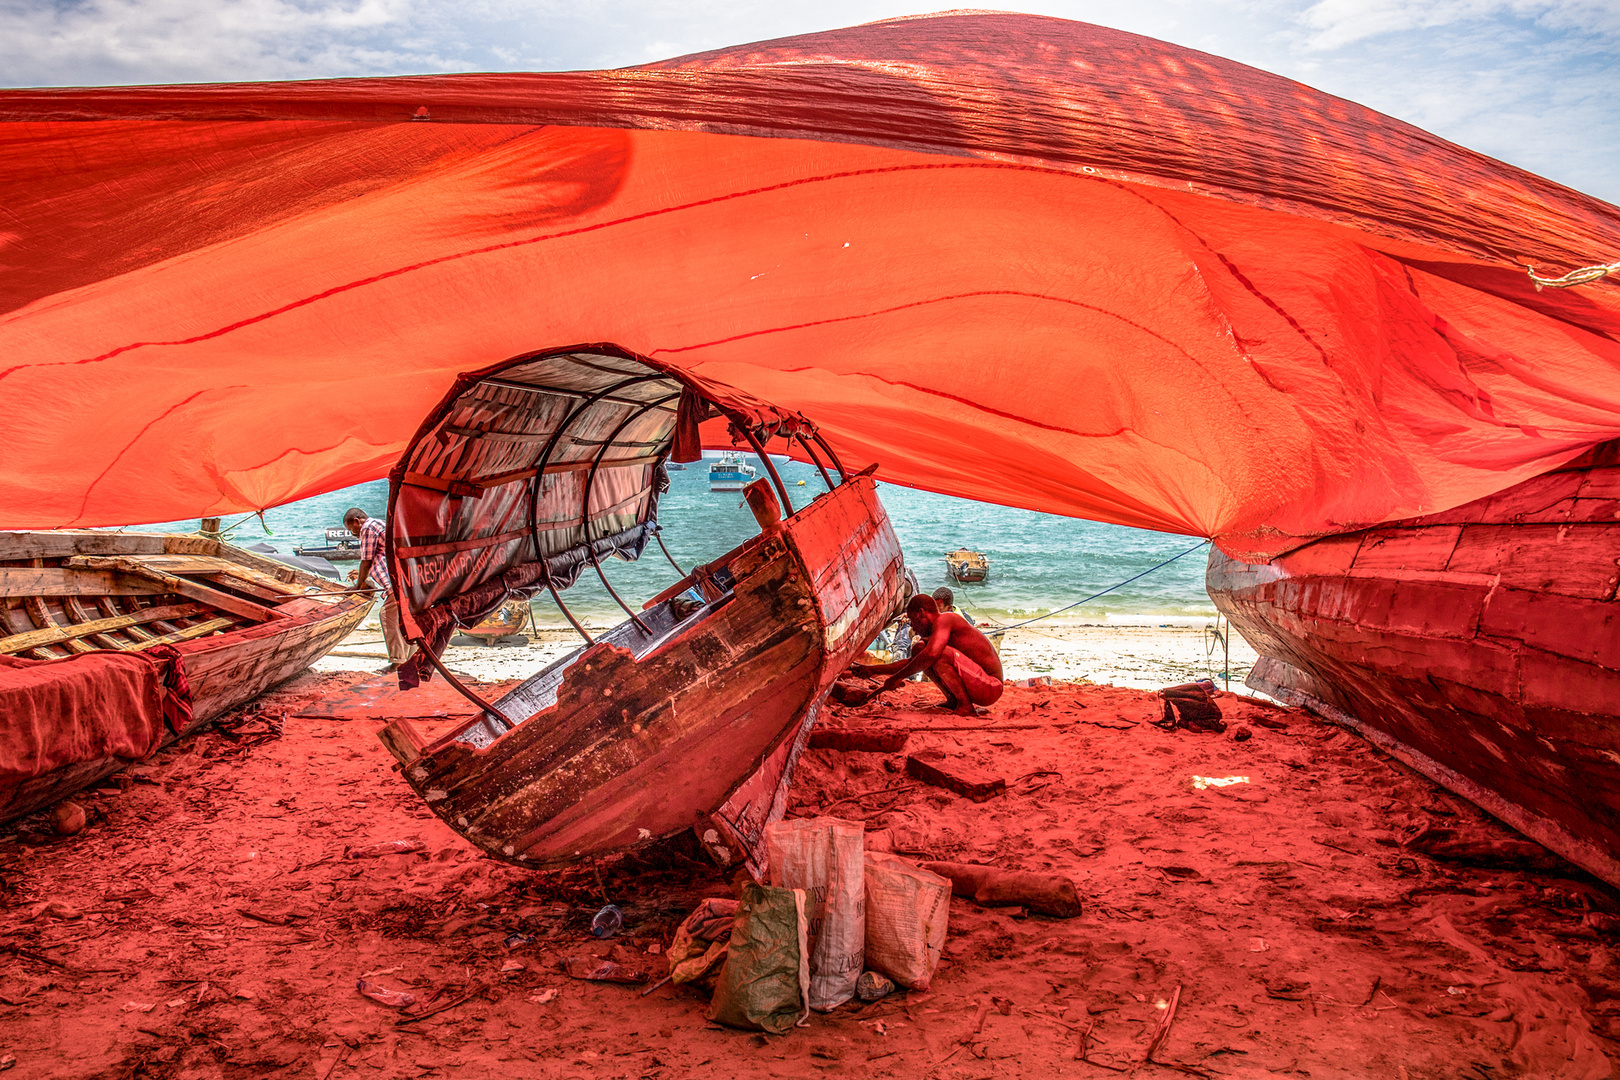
(765,983)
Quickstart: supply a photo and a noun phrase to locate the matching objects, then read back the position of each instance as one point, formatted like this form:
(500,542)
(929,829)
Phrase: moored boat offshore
(114,644)
(967,566)
(1480,645)
(730,473)
(341,546)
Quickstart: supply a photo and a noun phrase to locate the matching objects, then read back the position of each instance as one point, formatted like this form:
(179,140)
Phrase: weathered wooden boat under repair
(239,624)
(692,712)
(1480,645)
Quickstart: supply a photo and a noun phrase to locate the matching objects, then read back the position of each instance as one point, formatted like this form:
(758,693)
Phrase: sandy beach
(1139,657)
(215,917)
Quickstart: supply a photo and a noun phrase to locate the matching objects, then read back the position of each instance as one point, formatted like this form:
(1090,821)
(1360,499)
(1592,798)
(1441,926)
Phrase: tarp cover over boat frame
(531,469)
(1011,258)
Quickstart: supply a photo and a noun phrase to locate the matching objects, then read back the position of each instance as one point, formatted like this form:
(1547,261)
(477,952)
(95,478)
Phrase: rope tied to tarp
(1105,592)
(1584,276)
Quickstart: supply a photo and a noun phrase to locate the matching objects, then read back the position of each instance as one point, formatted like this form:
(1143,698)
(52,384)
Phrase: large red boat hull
(1480,645)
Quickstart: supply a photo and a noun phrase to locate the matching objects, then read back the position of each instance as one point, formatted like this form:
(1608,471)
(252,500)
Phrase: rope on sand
(1584,276)
(1106,591)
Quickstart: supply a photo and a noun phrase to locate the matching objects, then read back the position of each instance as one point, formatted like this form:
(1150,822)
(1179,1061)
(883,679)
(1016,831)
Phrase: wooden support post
(402,740)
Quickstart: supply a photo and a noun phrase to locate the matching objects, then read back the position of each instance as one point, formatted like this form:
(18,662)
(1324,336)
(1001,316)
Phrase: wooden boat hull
(638,737)
(1481,646)
(508,619)
(330,554)
(967,567)
(57,581)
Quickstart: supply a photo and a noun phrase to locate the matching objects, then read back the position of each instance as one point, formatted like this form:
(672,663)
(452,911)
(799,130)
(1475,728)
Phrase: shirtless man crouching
(960,659)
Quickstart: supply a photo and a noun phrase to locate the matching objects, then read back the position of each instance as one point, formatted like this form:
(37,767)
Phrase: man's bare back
(966,638)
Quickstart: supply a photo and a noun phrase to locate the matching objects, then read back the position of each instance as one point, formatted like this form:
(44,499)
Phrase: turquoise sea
(1038,562)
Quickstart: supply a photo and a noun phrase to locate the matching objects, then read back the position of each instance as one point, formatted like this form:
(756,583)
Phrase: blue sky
(1528,81)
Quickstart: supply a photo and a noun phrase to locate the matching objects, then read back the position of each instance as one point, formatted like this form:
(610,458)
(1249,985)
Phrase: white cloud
(1336,23)
(106,41)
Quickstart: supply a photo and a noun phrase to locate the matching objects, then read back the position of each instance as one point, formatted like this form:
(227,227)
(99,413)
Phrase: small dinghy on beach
(113,645)
(692,712)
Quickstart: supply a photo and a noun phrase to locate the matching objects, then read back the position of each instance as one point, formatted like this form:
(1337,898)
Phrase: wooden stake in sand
(1160,1034)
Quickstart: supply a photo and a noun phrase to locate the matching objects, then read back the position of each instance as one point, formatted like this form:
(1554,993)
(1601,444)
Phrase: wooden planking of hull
(241,623)
(1480,645)
(695,722)
(508,619)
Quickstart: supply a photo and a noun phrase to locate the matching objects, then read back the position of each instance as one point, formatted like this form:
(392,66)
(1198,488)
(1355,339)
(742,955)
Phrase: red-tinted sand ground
(208,924)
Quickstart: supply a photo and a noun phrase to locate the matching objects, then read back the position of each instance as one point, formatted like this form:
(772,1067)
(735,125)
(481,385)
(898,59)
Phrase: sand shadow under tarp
(382,699)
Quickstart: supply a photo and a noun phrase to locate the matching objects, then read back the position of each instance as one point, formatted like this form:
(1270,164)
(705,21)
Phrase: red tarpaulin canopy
(1011,258)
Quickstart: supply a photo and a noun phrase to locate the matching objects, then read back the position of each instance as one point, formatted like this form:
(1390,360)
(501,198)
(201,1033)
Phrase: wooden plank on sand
(34,639)
(932,767)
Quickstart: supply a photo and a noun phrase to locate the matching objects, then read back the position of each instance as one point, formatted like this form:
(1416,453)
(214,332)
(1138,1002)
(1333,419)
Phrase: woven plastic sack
(765,980)
(822,856)
(907,909)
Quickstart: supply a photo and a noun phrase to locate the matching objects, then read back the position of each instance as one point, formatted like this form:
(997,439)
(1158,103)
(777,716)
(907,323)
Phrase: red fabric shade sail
(1010,258)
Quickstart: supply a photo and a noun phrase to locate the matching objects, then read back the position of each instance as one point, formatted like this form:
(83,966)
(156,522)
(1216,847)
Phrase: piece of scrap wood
(478,988)
(954,775)
(865,740)
(1162,1031)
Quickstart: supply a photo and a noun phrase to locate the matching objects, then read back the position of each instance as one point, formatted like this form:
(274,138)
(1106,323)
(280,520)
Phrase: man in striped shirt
(374,566)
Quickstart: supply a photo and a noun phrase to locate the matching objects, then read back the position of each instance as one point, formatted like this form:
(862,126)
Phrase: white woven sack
(823,856)
(907,909)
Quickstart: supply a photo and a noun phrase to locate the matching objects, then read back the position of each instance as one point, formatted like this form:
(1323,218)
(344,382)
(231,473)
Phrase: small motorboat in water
(966,566)
(341,546)
(730,473)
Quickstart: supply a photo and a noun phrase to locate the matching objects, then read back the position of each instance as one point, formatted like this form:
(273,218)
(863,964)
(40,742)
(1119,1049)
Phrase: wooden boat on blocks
(966,566)
(1480,645)
(692,712)
(100,630)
